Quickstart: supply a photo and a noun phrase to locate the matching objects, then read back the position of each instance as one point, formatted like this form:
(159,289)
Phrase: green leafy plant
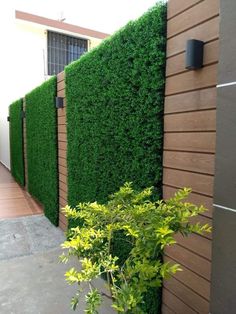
(149,226)
(17,141)
(41,138)
(115,100)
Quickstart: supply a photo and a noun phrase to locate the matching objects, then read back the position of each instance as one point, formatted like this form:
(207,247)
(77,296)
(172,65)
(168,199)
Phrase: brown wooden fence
(189,146)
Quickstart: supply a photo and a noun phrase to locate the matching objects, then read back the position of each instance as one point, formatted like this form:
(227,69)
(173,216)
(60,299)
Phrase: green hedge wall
(115,96)
(17,142)
(41,135)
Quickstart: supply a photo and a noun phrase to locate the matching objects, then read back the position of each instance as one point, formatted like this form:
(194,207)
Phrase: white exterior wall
(24,68)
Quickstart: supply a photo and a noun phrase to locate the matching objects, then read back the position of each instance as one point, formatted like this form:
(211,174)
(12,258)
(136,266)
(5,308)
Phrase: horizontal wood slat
(191,80)
(195,243)
(61,120)
(176,64)
(175,303)
(176,7)
(62,153)
(63,170)
(203,142)
(62,201)
(192,17)
(62,145)
(63,178)
(206,32)
(203,220)
(61,85)
(194,162)
(62,218)
(61,128)
(62,93)
(61,112)
(194,262)
(63,195)
(199,183)
(191,101)
(61,76)
(191,121)
(166,310)
(185,294)
(62,162)
(198,284)
(62,226)
(62,137)
(197,199)
(63,187)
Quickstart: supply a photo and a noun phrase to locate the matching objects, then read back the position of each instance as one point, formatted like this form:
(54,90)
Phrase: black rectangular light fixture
(59,102)
(8,119)
(22,114)
(194,54)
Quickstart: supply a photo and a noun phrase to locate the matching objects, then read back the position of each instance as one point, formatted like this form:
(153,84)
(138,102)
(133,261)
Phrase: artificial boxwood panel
(41,135)
(115,96)
(17,142)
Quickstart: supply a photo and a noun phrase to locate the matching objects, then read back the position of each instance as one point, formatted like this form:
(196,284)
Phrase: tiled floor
(14,201)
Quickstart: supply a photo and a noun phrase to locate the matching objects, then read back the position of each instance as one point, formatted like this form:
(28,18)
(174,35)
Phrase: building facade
(36,48)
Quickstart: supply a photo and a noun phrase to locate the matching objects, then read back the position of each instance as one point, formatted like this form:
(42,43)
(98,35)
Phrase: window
(62,50)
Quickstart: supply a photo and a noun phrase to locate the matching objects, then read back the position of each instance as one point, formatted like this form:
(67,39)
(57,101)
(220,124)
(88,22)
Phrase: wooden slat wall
(25,152)
(62,146)
(189,146)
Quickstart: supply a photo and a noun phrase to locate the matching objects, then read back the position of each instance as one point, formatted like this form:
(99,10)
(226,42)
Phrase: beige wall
(25,67)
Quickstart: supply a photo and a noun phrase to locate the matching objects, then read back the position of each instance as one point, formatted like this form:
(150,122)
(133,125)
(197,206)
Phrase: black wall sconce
(22,114)
(194,54)
(8,119)
(59,102)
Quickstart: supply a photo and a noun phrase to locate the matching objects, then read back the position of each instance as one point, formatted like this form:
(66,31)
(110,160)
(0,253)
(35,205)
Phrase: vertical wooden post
(25,147)
(62,148)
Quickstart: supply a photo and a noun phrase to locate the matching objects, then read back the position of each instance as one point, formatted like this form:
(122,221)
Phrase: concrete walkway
(31,279)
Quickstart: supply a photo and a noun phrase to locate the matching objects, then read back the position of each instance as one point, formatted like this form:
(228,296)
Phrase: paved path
(31,279)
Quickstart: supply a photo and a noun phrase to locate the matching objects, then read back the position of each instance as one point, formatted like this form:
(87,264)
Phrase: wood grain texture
(197,199)
(189,146)
(176,7)
(190,260)
(206,32)
(199,183)
(203,142)
(191,101)
(191,121)
(62,150)
(60,85)
(175,303)
(198,284)
(166,310)
(196,243)
(197,303)
(198,14)
(193,162)
(192,80)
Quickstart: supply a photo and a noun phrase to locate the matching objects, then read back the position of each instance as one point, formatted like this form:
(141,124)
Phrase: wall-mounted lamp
(59,102)
(22,114)
(194,54)
(8,119)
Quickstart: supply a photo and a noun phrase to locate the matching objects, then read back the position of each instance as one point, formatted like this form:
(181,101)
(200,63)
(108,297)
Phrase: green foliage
(17,142)
(115,97)
(41,134)
(149,225)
